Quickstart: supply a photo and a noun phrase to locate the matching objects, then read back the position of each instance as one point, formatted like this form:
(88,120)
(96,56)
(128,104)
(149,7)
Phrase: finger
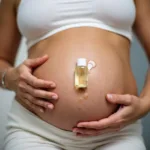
(43,94)
(119,99)
(26,103)
(37,92)
(101,124)
(32,63)
(44,104)
(97,132)
(39,102)
(85,131)
(110,129)
(35,108)
(37,83)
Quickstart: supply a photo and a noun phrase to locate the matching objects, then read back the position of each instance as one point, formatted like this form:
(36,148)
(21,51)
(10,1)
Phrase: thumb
(35,62)
(119,99)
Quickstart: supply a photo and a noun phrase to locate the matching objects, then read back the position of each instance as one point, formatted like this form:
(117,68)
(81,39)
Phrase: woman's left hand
(131,109)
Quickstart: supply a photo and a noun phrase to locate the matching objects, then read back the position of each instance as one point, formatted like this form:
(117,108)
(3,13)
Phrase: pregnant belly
(82,105)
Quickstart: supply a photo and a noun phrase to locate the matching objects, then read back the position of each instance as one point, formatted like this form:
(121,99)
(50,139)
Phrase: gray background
(139,65)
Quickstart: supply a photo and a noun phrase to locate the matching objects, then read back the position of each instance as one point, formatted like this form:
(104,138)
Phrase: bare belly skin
(112,74)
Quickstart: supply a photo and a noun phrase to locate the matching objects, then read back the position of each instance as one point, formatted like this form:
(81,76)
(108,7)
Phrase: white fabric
(27,132)
(39,19)
(23,140)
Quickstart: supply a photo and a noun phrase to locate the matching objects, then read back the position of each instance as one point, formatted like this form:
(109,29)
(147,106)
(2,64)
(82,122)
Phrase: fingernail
(109,96)
(45,55)
(50,106)
(53,85)
(79,125)
(54,97)
(75,130)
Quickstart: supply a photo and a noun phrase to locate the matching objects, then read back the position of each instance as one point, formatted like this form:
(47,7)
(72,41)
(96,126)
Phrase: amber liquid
(81,77)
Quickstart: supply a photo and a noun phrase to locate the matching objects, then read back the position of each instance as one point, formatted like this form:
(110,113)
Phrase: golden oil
(81,73)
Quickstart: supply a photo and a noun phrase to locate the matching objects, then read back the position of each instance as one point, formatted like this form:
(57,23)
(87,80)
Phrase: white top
(39,19)
(81,62)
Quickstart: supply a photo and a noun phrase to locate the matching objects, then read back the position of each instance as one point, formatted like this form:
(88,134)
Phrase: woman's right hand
(29,89)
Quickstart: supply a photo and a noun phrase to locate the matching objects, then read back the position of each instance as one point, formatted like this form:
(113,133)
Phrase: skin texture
(113,71)
(111,77)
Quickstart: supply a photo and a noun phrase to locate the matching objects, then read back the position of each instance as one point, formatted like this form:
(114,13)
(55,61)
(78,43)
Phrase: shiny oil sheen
(81,77)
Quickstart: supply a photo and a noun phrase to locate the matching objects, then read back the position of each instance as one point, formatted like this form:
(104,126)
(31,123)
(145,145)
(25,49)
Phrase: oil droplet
(86,95)
(81,98)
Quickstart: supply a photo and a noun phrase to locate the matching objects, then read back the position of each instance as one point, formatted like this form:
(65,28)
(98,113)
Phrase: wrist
(145,101)
(7,79)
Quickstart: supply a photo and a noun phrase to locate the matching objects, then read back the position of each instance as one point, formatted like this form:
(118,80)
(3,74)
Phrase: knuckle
(43,83)
(22,76)
(32,99)
(39,102)
(47,103)
(33,82)
(47,95)
(24,100)
(20,85)
(27,96)
(131,98)
(27,102)
(32,106)
(35,93)
(128,96)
